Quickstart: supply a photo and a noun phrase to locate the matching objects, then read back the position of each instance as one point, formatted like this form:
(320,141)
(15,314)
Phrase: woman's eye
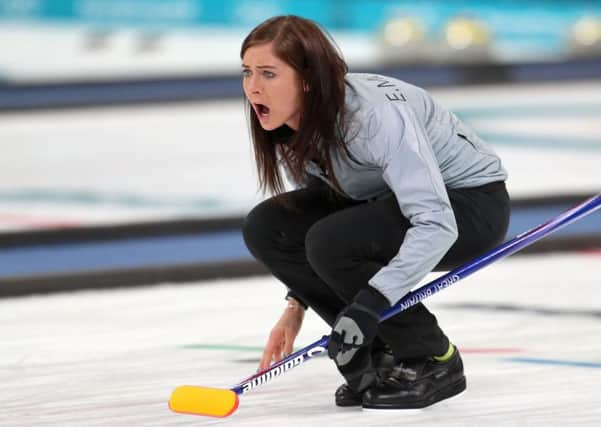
(246,73)
(268,74)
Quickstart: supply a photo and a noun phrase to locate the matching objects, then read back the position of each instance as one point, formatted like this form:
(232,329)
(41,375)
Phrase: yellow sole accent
(447,355)
(195,400)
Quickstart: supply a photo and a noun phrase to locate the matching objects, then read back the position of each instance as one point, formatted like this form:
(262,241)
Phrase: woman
(389,186)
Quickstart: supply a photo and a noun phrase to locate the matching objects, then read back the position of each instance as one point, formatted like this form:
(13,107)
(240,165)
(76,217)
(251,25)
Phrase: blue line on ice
(572,363)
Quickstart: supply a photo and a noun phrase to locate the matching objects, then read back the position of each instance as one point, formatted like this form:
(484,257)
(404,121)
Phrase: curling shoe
(384,362)
(417,384)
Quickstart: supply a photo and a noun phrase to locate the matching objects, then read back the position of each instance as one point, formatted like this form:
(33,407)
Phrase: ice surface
(111,358)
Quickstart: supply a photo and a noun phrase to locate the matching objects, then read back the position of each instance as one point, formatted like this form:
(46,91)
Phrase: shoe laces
(404,372)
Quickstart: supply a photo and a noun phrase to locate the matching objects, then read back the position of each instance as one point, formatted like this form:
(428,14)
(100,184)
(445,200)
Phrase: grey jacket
(402,142)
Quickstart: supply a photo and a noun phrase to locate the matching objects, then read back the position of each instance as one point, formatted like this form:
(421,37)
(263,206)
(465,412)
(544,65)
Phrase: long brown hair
(304,46)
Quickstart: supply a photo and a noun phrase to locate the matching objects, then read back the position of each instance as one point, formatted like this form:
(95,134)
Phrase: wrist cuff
(372,299)
(291,294)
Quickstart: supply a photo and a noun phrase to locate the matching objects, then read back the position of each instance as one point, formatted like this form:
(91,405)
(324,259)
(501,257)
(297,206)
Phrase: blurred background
(79,40)
(124,154)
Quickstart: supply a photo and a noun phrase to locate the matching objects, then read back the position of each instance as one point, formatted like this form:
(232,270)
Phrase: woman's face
(272,87)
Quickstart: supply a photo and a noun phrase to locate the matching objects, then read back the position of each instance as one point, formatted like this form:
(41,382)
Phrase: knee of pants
(321,250)
(256,228)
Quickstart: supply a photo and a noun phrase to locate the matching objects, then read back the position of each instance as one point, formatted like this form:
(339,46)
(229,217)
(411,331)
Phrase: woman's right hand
(282,336)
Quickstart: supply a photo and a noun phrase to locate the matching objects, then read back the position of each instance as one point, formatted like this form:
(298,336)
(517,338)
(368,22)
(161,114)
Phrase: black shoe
(417,384)
(345,396)
(383,360)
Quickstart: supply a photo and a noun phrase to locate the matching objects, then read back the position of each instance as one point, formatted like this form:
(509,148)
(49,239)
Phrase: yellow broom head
(195,400)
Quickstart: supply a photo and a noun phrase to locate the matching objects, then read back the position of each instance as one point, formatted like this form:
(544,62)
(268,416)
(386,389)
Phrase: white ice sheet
(111,358)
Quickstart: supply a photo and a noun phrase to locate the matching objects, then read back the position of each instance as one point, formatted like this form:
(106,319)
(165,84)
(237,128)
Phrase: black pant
(325,248)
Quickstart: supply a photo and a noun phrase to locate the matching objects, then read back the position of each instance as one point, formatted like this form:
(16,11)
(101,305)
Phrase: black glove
(353,332)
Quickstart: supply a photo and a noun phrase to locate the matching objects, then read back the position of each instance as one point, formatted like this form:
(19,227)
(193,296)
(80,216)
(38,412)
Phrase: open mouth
(262,110)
